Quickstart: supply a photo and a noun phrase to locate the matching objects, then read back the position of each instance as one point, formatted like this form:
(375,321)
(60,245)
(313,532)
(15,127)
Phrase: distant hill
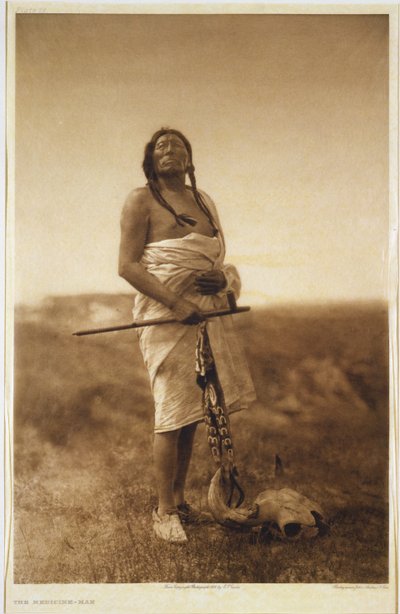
(306,361)
(102,307)
(77,311)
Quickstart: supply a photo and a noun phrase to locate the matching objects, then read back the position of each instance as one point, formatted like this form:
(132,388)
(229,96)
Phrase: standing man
(172,253)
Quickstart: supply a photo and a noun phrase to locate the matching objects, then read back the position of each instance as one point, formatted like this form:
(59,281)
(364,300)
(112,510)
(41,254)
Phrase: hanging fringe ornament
(215,414)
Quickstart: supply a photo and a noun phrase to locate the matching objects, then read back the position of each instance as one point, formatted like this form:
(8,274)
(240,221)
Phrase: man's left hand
(210,282)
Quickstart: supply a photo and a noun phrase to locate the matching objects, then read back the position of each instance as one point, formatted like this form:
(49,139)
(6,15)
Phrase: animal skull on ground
(285,512)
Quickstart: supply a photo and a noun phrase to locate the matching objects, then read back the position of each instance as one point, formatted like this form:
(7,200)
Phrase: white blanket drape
(169,350)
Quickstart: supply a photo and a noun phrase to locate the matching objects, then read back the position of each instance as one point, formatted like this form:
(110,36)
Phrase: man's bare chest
(163,224)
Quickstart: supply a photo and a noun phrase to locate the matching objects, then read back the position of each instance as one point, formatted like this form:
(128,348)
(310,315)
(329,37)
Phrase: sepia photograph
(199,358)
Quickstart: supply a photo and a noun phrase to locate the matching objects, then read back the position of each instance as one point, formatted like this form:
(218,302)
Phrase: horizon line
(300,302)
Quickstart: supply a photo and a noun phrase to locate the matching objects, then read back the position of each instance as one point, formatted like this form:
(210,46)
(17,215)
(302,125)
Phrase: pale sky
(287,116)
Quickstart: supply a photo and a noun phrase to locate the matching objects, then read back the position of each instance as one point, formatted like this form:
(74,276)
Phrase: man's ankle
(167,509)
(179,498)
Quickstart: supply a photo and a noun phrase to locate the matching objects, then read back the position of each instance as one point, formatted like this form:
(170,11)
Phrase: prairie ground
(83,483)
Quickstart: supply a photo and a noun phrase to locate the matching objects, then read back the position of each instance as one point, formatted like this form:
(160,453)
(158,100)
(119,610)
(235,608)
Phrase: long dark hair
(151,176)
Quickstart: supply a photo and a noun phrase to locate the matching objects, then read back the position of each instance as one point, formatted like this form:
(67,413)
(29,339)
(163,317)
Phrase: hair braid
(180,218)
(159,197)
(199,198)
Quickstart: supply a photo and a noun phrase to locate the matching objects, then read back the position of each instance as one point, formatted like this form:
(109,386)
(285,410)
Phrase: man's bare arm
(135,221)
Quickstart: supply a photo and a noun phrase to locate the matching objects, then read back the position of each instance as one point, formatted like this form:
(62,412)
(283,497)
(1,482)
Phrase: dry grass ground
(83,435)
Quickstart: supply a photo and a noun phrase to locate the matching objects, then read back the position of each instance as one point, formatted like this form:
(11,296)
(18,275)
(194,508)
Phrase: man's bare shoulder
(208,199)
(138,196)
(206,196)
(137,203)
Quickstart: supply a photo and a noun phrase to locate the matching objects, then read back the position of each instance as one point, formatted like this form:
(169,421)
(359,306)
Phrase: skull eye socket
(292,529)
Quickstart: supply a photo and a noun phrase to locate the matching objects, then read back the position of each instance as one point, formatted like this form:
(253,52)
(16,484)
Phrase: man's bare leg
(185,447)
(165,464)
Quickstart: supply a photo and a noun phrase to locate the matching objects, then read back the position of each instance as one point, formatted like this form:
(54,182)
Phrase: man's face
(170,155)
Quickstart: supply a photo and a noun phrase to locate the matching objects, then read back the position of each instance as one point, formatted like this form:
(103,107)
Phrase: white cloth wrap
(169,349)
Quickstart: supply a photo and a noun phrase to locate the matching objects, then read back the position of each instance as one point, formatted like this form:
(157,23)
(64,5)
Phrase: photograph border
(218,598)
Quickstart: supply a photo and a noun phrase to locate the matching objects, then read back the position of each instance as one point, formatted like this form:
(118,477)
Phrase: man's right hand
(186,312)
